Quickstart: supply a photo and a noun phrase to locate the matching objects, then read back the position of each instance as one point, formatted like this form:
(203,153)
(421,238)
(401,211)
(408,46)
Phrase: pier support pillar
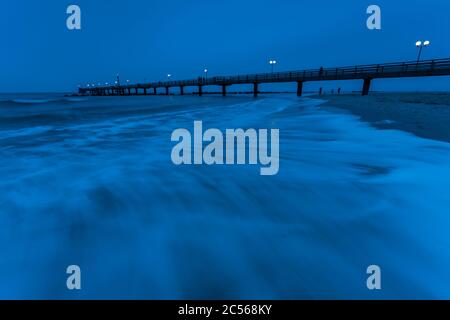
(145,91)
(154,91)
(200,90)
(255,90)
(320,91)
(136,91)
(366,86)
(299,88)
(129,91)
(181,90)
(167,91)
(224,90)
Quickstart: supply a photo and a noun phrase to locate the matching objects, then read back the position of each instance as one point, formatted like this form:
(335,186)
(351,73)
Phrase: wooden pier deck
(436,67)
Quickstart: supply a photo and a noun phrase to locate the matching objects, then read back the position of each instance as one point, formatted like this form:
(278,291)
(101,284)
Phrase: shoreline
(426,115)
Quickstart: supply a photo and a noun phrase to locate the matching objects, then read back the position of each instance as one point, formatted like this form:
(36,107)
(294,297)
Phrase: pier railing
(436,67)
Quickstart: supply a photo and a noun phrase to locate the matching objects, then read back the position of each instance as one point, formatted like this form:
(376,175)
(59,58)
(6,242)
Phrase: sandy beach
(426,115)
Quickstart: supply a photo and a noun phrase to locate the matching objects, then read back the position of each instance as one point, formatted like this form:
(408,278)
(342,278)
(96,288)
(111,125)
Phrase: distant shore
(426,115)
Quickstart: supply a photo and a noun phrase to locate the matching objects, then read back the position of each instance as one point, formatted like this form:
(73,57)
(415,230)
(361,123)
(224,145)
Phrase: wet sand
(426,115)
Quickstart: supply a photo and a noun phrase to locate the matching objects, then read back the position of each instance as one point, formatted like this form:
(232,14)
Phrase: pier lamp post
(169,76)
(206,73)
(420,45)
(272,63)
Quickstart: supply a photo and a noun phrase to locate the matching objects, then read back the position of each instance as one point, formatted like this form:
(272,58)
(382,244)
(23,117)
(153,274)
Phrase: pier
(366,73)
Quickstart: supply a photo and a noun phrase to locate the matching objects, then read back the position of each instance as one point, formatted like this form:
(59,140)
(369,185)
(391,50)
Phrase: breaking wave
(93,184)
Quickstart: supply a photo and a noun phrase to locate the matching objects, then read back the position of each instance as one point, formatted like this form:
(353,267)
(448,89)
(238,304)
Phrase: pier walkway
(437,67)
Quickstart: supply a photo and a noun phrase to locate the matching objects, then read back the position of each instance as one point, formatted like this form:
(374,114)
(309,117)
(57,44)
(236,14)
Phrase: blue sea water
(89,181)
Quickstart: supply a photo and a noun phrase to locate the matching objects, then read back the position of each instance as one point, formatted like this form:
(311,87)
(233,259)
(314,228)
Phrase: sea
(89,181)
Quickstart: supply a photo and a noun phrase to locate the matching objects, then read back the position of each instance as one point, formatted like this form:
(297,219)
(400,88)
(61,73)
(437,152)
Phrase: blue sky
(148,39)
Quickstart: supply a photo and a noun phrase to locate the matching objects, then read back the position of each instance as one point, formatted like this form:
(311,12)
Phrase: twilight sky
(146,39)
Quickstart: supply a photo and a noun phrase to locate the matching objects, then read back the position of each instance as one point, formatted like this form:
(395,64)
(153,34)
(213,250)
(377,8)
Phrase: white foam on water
(347,196)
